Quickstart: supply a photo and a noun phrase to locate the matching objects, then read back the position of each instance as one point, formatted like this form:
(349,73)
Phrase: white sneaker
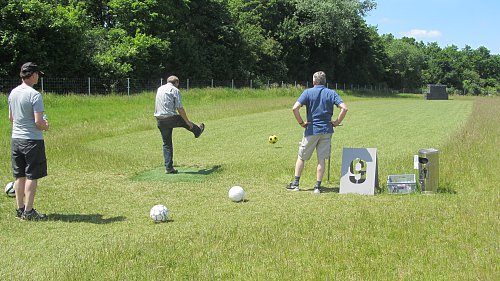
(317,190)
(293,187)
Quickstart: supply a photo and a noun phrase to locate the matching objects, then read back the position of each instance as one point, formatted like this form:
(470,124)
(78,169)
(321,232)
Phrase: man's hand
(336,123)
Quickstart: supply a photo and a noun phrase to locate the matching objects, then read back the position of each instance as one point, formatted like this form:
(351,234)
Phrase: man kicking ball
(170,114)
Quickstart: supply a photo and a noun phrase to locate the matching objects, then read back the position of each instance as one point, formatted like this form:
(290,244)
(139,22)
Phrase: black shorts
(28,159)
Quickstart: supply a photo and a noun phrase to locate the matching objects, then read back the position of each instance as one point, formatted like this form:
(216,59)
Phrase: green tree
(257,21)
(319,33)
(366,61)
(49,34)
(406,61)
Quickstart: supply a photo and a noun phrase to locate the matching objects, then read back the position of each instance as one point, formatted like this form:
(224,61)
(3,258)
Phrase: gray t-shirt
(168,99)
(24,101)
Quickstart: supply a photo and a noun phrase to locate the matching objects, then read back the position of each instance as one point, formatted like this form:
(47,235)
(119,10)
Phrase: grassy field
(105,173)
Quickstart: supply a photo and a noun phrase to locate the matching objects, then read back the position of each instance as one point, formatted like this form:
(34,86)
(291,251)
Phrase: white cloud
(422,33)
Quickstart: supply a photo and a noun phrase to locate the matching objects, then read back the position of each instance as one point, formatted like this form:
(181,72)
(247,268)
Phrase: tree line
(258,40)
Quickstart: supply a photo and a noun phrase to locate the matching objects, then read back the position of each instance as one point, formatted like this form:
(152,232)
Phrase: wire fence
(128,86)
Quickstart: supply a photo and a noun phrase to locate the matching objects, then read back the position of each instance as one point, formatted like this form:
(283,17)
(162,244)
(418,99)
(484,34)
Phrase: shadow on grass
(330,189)
(185,174)
(201,171)
(91,218)
(447,189)
(155,223)
(379,94)
(323,189)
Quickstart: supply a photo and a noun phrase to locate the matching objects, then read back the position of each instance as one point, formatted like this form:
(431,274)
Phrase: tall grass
(105,161)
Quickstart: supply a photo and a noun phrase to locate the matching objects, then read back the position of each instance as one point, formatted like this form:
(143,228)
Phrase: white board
(359,173)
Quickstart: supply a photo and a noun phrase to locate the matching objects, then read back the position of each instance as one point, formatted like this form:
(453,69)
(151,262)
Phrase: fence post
(128,86)
(187,85)
(42,83)
(232,83)
(268,85)
(336,86)
(212,83)
(295,83)
(251,84)
(307,84)
(161,81)
(89,86)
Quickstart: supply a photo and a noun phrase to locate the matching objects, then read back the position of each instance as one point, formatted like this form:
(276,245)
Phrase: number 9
(358,171)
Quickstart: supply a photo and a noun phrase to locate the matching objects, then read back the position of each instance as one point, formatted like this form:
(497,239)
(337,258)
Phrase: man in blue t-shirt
(319,102)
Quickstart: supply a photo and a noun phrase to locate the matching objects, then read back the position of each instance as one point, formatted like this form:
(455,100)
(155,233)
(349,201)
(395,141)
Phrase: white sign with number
(359,173)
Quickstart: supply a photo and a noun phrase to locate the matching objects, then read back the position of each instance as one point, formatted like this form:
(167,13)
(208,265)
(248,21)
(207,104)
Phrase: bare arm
(296,112)
(41,123)
(343,112)
(11,118)
(183,114)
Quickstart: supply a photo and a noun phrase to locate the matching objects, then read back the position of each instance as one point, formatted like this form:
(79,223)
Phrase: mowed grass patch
(398,128)
(101,229)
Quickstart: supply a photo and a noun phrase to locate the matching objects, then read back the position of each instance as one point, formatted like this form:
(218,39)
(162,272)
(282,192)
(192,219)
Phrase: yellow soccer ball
(273,139)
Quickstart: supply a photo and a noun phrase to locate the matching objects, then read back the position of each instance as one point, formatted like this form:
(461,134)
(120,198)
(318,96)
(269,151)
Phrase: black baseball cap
(30,68)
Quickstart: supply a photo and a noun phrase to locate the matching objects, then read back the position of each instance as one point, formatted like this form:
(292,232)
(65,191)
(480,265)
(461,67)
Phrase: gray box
(428,170)
(401,184)
(436,92)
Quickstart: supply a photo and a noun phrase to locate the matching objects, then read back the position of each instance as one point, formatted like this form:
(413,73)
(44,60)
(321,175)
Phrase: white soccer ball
(9,189)
(236,193)
(159,213)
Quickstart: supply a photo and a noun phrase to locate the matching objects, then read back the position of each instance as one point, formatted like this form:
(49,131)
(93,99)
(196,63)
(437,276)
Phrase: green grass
(105,173)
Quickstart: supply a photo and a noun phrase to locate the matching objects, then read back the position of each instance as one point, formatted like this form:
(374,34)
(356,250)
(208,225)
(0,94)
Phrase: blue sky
(447,22)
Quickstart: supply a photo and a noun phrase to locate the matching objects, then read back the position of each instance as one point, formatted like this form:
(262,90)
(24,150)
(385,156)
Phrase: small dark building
(436,92)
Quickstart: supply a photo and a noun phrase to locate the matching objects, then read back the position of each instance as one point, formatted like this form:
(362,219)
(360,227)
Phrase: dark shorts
(28,159)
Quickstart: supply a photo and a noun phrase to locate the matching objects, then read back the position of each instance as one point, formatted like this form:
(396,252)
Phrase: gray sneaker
(33,215)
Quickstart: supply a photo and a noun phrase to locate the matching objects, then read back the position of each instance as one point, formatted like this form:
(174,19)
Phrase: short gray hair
(173,79)
(319,78)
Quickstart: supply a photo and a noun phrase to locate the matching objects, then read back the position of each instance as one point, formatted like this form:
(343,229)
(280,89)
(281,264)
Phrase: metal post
(187,86)
(212,83)
(232,83)
(41,83)
(268,85)
(251,84)
(329,157)
(128,86)
(161,81)
(89,86)
(336,86)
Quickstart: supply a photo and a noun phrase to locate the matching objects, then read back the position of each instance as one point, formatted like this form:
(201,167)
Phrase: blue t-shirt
(319,102)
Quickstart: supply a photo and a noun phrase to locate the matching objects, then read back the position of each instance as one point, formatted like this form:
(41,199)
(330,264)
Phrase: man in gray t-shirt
(29,162)
(170,114)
